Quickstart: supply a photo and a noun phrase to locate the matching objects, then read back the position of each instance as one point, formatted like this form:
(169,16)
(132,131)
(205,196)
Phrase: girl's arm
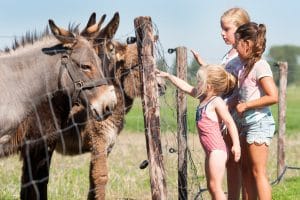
(270,97)
(179,83)
(223,113)
(198,58)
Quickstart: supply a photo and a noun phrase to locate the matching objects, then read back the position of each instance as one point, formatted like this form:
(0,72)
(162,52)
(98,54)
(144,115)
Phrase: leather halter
(79,84)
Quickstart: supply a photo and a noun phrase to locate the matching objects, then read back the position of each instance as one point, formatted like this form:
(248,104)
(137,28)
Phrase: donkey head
(103,42)
(81,72)
(121,59)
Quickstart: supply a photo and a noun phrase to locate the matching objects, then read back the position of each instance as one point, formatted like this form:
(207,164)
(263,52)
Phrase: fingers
(194,53)
(237,157)
(160,73)
(237,154)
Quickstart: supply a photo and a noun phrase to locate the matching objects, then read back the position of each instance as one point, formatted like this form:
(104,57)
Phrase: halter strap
(79,84)
(209,101)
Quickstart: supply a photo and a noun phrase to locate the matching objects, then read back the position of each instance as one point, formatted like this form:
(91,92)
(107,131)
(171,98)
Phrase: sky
(194,24)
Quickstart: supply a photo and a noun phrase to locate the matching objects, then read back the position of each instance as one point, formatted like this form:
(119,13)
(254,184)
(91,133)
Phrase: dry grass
(69,175)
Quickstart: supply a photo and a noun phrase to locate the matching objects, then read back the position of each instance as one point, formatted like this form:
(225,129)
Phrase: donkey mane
(31,37)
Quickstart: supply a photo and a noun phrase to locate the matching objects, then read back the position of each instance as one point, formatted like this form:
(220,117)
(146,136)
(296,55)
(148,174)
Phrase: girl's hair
(257,35)
(237,16)
(221,81)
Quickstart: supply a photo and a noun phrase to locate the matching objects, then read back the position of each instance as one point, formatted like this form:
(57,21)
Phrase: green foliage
(290,54)
(287,190)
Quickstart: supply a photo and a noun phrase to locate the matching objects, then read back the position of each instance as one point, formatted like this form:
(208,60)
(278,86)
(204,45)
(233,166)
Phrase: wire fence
(196,177)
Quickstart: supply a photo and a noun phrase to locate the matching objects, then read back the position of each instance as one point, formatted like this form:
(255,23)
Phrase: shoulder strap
(209,101)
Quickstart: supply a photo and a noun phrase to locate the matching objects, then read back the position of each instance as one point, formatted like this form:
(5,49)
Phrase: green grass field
(135,121)
(69,175)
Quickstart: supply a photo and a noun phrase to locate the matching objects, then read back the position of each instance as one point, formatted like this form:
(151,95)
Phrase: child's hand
(195,54)
(161,73)
(198,57)
(240,108)
(236,151)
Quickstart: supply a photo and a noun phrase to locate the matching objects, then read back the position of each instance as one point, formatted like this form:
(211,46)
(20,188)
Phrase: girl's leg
(215,170)
(259,156)
(248,191)
(233,173)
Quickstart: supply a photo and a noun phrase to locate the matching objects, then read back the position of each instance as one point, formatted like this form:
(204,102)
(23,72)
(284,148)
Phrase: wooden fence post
(181,62)
(145,40)
(283,69)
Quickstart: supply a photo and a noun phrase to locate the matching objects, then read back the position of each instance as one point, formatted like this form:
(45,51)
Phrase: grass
(69,175)
(289,190)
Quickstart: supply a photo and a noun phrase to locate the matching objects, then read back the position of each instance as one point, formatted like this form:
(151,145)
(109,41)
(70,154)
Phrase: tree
(289,53)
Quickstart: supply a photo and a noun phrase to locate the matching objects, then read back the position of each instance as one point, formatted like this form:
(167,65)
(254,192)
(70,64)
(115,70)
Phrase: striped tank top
(209,130)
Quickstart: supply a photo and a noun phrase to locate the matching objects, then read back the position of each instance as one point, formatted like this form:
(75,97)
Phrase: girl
(213,81)
(230,21)
(257,91)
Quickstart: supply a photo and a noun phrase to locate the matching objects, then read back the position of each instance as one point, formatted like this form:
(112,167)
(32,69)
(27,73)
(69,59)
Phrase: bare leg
(216,168)
(233,173)
(248,191)
(259,156)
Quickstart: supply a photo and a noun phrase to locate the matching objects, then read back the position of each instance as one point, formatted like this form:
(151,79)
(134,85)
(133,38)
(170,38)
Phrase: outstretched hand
(195,54)
(236,151)
(161,73)
(198,57)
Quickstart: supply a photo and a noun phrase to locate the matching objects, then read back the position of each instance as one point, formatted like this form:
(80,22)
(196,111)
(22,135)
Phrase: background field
(69,175)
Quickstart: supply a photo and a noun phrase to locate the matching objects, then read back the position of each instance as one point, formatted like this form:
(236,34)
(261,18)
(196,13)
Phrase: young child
(213,81)
(257,91)
(230,21)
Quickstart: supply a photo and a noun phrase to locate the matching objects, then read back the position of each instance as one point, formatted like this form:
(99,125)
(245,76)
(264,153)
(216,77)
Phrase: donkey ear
(61,34)
(111,28)
(92,29)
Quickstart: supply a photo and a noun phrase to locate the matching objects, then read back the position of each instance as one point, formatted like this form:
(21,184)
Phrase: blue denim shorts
(259,132)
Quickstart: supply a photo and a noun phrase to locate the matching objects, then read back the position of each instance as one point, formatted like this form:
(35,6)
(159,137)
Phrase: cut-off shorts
(259,132)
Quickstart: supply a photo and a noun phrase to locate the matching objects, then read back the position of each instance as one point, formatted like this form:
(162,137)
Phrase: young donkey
(97,137)
(33,73)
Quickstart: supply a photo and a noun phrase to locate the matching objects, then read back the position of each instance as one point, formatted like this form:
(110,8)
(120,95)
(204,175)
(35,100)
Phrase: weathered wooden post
(145,40)
(283,69)
(181,62)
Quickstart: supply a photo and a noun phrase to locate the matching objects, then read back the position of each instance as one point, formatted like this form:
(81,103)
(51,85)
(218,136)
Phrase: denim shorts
(259,132)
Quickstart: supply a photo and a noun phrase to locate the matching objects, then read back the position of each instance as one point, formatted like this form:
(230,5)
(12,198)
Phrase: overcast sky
(194,24)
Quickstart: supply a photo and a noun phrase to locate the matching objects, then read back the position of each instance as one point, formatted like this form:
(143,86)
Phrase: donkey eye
(85,67)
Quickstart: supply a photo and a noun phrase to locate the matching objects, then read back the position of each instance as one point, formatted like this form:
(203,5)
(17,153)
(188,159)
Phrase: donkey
(34,73)
(96,137)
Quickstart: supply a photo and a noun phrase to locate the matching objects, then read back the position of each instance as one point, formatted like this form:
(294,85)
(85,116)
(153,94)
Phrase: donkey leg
(35,171)
(98,170)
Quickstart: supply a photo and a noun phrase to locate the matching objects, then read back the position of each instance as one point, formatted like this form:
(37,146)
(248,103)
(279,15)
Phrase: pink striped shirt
(209,131)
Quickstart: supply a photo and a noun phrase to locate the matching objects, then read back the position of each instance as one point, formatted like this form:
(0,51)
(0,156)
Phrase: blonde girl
(213,81)
(230,21)
(257,91)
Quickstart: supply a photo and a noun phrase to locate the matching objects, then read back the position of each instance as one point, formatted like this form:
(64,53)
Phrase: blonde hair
(221,81)
(237,16)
